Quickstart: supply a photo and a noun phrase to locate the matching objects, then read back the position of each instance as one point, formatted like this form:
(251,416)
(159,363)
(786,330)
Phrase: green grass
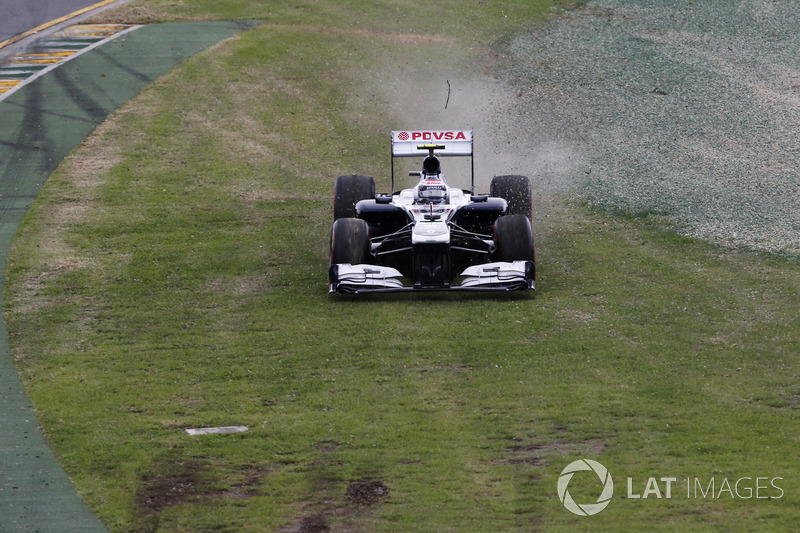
(173,274)
(477,21)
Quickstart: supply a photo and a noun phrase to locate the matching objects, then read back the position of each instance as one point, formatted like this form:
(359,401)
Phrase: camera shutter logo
(587,509)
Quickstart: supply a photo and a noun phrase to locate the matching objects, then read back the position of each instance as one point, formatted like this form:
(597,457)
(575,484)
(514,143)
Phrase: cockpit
(431,188)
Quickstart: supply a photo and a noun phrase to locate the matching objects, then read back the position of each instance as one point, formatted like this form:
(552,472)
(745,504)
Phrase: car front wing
(499,276)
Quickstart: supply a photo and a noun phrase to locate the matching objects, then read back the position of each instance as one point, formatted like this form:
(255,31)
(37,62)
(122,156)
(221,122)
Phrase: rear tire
(516,190)
(350,241)
(514,239)
(348,191)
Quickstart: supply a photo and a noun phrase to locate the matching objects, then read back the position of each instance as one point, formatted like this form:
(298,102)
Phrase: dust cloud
(507,138)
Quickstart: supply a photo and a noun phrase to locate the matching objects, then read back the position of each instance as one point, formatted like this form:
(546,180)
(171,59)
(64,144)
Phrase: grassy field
(172,274)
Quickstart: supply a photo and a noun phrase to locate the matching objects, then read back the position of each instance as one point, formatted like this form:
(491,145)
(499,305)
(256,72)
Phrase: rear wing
(410,143)
(420,143)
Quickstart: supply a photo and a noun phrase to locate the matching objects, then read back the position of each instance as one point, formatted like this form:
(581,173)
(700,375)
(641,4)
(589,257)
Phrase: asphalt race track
(19,16)
(40,124)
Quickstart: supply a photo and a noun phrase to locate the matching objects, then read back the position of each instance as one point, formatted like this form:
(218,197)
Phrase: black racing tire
(516,190)
(348,191)
(350,241)
(514,238)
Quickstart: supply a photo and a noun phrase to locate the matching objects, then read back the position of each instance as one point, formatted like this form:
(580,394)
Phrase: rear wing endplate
(443,143)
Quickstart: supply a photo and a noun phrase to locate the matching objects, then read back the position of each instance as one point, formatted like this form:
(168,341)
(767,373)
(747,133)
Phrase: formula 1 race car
(432,236)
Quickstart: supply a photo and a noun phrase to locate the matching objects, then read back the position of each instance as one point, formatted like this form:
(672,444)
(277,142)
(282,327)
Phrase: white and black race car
(432,236)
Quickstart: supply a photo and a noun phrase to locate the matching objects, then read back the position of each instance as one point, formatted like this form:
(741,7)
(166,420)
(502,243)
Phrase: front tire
(348,191)
(516,190)
(514,239)
(350,241)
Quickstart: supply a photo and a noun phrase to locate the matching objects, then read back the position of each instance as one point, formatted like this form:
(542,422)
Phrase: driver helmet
(432,192)
(431,166)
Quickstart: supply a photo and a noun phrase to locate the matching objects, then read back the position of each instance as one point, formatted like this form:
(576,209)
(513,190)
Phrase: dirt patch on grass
(314,524)
(540,454)
(171,484)
(346,514)
(336,504)
(367,492)
(327,446)
(174,482)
